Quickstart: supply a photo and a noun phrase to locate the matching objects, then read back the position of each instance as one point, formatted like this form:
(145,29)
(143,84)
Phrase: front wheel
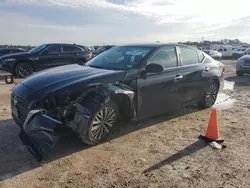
(101,124)
(210,96)
(24,69)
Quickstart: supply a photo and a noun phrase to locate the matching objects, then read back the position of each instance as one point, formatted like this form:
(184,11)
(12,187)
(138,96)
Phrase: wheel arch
(121,94)
(23,61)
(216,80)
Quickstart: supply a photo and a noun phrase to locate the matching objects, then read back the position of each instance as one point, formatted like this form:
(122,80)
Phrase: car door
(160,92)
(70,53)
(49,57)
(192,67)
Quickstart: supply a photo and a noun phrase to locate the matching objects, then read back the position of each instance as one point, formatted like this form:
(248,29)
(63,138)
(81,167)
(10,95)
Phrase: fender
(100,94)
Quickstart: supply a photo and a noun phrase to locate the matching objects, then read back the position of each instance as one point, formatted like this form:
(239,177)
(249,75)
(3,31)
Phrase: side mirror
(154,68)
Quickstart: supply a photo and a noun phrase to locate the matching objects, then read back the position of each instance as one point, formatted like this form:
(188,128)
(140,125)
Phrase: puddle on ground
(228,85)
(224,102)
(232,85)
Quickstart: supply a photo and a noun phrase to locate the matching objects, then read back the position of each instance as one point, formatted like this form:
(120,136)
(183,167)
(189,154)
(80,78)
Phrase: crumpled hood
(70,73)
(16,55)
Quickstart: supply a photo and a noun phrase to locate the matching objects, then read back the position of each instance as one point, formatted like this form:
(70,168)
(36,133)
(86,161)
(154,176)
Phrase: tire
(210,95)
(95,132)
(238,73)
(23,70)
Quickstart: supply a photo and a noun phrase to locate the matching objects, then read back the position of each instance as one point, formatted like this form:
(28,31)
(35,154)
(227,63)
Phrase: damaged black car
(124,83)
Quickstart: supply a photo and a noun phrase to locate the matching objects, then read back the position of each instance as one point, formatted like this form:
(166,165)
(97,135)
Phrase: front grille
(247,62)
(22,107)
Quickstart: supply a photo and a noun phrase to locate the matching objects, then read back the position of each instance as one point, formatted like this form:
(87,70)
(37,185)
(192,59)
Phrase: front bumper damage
(41,133)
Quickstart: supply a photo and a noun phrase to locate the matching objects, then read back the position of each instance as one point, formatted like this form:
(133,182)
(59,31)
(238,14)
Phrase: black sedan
(121,84)
(43,57)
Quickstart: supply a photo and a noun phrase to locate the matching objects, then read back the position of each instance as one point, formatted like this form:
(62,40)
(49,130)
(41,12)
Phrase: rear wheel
(239,73)
(23,70)
(101,124)
(210,95)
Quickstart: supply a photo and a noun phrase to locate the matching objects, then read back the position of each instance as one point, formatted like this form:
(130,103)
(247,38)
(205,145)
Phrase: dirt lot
(158,152)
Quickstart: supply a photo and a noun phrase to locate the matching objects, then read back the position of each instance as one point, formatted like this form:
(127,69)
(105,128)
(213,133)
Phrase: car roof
(158,45)
(64,44)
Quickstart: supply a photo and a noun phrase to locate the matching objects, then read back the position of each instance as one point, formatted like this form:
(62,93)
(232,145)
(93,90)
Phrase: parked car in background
(124,83)
(240,52)
(243,65)
(43,57)
(247,52)
(101,49)
(5,51)
(215,54)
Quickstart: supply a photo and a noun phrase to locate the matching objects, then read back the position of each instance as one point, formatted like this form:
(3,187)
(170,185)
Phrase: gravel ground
(158,152)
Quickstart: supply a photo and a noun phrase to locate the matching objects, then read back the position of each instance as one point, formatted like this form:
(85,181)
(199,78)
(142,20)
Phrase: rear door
(192,67)
(160,92)
(70,53)
(50,57)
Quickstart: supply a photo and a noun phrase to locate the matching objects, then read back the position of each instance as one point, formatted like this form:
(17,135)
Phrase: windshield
(119,58)
(38,48)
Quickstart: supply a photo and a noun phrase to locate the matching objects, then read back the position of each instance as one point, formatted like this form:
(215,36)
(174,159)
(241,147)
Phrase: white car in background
(215,54)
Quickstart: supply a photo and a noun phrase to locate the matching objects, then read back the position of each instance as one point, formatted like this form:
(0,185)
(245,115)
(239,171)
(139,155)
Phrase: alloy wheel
(103,122)
(24,70)
(211,94)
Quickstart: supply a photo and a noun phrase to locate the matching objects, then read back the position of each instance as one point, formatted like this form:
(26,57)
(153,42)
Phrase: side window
(77,49)
(166,56)
(200,56)
(189,56)
(16,50)
(225,50)
(68,48)
(53,49)
(6,51)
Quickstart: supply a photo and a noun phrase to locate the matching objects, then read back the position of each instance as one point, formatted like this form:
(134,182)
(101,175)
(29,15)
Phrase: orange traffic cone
(212,129)
(212,133)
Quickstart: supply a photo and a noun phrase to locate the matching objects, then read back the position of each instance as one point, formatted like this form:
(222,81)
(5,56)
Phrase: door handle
(206,69)
(178,77)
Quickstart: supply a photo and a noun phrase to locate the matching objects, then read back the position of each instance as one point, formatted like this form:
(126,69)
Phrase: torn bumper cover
(39,133)
(42,132)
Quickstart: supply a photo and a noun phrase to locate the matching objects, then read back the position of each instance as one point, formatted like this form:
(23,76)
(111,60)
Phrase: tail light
(223,67)
(89,55)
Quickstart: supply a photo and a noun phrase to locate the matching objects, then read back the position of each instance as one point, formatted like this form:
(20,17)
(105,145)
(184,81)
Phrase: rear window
(77,49)
(68,48)
(200,56)
(189,56)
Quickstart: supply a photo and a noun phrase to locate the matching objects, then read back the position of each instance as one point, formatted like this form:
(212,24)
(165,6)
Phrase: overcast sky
(90,22)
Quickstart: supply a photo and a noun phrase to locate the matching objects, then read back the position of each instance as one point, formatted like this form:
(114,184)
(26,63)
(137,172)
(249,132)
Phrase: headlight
(51,102)
(9,60)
